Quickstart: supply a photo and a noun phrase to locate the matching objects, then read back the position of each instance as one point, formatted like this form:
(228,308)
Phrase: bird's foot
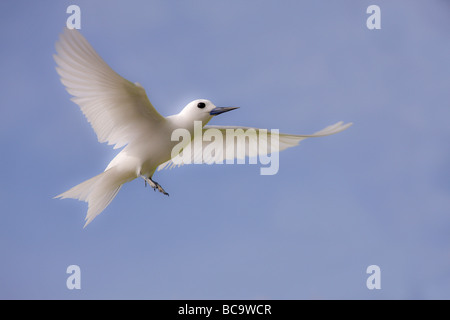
(155,185)
(161,189)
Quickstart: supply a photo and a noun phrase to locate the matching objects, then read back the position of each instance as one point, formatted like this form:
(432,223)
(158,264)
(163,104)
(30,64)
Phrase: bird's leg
(150,182)
(155,185)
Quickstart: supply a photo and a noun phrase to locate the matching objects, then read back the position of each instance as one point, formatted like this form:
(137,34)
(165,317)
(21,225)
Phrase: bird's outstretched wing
(116,108)
(241,142)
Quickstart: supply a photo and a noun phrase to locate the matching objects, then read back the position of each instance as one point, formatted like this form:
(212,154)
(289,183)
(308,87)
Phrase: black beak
(219,110)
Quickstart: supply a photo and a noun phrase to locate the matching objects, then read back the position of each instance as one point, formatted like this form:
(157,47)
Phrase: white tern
(121,114)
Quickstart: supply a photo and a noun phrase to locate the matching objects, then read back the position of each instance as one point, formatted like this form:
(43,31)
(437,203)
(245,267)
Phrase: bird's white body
(143,155)
(121,114)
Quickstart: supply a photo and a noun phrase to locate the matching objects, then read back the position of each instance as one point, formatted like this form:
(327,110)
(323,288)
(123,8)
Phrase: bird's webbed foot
(155,185)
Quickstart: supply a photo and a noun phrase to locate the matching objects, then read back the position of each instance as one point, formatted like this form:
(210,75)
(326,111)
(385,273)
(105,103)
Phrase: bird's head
(203,110)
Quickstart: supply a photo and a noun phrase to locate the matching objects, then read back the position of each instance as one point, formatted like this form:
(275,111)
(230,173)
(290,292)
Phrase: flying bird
(121,114)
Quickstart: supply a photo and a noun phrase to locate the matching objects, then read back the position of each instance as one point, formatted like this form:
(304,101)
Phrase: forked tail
(98,191)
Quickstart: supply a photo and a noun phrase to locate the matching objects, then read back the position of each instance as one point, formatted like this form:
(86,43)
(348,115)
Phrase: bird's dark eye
(201,105)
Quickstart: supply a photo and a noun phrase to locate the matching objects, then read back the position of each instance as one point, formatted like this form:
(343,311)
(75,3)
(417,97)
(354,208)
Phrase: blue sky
(377,193)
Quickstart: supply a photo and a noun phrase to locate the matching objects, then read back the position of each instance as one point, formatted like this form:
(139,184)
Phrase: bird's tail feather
(98,191)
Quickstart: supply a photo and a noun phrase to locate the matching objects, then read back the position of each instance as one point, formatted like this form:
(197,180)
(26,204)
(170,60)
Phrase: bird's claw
(161,190)
(155,185)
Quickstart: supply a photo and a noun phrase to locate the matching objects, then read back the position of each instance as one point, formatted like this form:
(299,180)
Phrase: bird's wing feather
(242,142)
(116,108)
